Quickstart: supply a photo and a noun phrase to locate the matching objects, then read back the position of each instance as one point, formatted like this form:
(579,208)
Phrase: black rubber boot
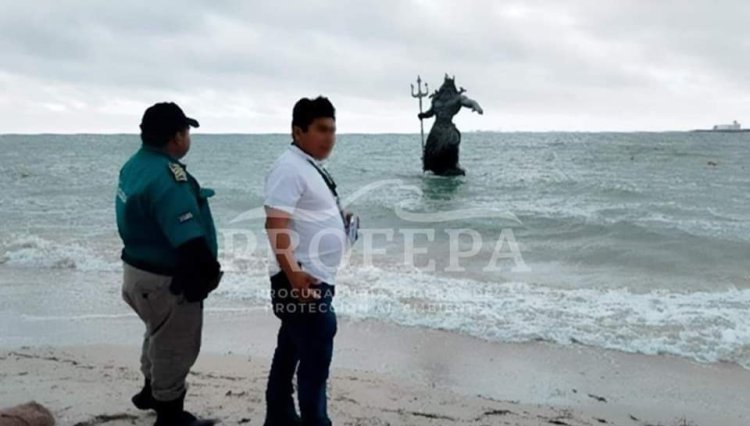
(172,413)
(281,411)
(144,400)
(291,419)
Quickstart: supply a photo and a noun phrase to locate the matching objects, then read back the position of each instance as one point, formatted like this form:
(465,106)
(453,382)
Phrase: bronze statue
(440,153)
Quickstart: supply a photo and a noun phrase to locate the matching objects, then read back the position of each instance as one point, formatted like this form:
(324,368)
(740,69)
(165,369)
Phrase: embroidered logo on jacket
(179,173)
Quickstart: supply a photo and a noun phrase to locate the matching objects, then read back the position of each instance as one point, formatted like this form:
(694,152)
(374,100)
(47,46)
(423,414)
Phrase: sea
(636,242)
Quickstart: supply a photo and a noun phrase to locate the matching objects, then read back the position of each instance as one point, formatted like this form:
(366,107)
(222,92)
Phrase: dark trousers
(305,344)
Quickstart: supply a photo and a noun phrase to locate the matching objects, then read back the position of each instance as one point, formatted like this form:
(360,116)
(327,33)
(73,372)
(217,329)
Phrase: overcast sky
(239,66)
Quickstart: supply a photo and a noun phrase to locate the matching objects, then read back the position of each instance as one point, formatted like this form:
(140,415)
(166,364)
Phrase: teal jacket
(160,206)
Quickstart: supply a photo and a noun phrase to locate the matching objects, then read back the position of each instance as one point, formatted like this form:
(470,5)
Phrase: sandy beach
(387,374)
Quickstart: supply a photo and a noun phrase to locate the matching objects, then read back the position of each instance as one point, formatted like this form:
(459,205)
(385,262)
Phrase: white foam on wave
(35,251)
(707,326)
(704,326)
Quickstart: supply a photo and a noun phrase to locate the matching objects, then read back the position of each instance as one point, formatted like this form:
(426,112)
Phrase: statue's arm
(471,103)
(427,114)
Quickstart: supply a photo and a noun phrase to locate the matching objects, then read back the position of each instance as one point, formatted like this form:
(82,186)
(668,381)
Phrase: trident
(419,95)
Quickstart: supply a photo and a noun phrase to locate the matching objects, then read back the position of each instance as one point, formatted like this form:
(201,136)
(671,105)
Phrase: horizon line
(345,133)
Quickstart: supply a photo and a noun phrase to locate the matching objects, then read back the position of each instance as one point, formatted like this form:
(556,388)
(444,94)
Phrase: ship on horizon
(734,127)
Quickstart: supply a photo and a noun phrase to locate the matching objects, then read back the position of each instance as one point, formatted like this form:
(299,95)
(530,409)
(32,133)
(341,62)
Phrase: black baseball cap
(165,119)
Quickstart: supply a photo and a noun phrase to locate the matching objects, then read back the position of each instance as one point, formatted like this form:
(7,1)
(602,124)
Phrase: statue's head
(449,83)
(448,88)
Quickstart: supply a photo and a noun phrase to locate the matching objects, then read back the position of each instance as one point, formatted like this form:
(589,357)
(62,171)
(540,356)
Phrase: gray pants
(173,331)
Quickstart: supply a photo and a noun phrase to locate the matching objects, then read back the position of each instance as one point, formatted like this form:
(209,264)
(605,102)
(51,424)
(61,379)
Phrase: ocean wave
(706,326)
(35,251)
(703,326)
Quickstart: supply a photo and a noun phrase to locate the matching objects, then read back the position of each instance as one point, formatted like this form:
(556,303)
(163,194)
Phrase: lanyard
(327,178)
(332,186)
(329,183)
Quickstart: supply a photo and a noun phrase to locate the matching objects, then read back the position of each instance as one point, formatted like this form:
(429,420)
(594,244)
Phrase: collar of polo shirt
(294,148)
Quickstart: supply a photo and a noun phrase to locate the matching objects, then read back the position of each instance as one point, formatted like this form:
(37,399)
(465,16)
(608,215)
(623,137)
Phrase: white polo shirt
(294,186)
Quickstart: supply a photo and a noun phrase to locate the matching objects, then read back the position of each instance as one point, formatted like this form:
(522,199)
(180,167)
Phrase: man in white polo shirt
(308,232)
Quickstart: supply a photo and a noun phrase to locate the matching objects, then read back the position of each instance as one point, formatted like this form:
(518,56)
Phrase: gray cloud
(239,66)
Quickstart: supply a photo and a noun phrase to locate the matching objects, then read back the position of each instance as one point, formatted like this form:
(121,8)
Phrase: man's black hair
(307,110)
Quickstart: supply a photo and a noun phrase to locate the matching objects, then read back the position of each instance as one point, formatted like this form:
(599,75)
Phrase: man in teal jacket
(169,258)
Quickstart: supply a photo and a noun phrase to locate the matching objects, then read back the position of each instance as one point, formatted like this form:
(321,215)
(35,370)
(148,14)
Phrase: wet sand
(384,374)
